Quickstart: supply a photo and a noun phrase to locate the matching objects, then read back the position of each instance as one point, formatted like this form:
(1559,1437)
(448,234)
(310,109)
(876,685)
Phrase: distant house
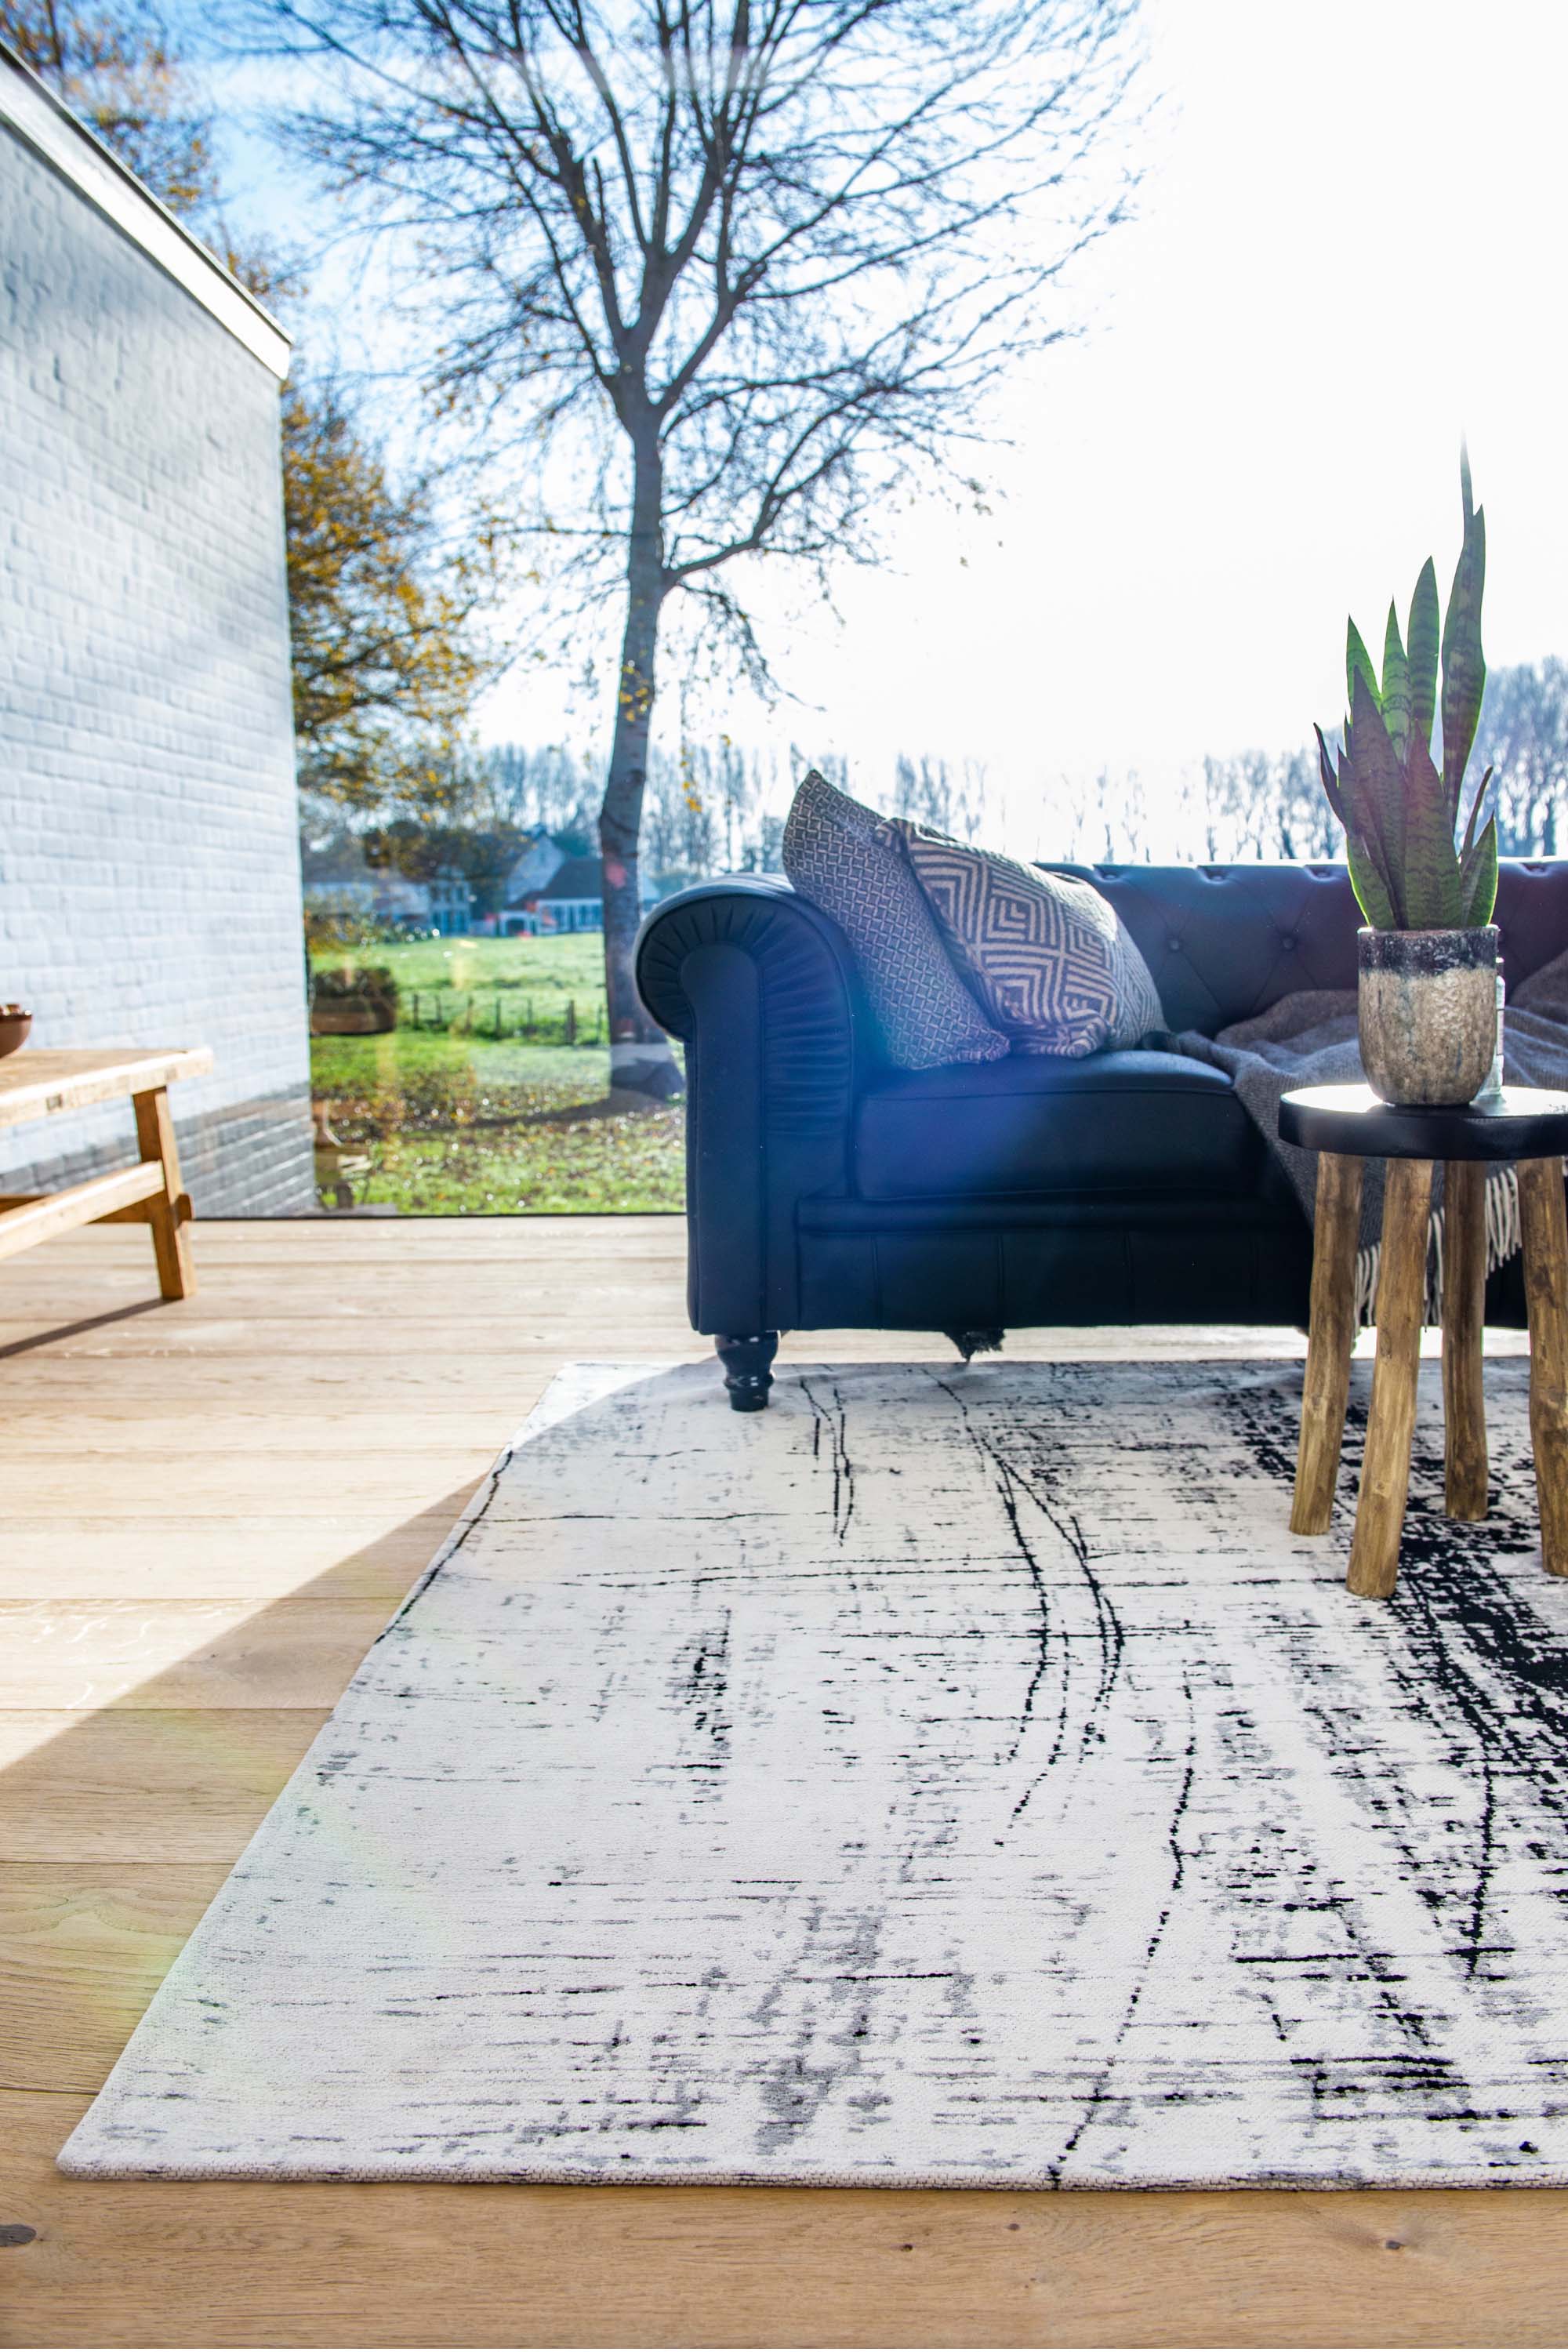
(539,862)
(572,901)
(549,889)
(374,895)
(574,898)
(372,898)
(534,870)
(452,902)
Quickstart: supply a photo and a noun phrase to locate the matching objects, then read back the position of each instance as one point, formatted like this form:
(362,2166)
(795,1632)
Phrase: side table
(1348,1126)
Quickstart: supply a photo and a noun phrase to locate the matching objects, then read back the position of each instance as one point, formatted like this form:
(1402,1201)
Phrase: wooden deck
(210,1508)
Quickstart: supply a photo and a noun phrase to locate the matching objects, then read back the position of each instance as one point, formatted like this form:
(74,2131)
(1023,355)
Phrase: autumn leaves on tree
(114,69)
(387,660)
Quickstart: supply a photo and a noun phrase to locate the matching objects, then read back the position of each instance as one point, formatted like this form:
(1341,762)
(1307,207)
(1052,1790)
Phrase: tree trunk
(640,1055)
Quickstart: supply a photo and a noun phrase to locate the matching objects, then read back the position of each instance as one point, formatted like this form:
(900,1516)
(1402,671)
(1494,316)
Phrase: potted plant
(362,1002)
(1428,955)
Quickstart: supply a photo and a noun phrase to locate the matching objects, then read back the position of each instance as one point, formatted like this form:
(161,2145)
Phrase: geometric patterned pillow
(844,859)
(1049,959)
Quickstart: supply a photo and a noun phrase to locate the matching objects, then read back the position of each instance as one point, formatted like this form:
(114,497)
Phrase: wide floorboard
(208,1511)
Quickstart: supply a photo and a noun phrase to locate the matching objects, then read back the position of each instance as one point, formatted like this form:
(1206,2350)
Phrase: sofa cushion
(845,860)
(1127,1122)
(1049,959)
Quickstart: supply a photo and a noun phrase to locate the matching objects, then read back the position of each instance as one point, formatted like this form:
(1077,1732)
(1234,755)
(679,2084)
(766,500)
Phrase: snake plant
(1410,869)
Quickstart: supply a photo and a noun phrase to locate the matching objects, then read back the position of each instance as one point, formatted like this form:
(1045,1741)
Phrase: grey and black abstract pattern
(945,1777)
(1050,960)
(848,860)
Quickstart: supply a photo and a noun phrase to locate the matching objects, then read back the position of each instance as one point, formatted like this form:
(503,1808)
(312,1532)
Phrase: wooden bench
(35,1083)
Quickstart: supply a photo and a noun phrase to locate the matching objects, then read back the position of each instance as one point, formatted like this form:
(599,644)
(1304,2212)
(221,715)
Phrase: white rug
(944,1777)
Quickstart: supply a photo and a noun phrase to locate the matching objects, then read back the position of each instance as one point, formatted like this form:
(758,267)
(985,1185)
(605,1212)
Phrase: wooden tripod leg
(1326,1389)
(1391,1424)
(1545,1226)
(168,1211)
(1464,1314)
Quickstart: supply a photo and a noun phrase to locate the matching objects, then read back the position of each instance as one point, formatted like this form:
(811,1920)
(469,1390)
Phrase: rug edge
(1401,2181)
(578,1384)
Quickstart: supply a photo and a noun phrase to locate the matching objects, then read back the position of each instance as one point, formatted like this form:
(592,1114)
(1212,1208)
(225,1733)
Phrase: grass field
(450,1122)
(463,978)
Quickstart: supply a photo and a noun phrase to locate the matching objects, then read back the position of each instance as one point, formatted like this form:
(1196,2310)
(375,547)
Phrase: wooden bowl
(15,1023)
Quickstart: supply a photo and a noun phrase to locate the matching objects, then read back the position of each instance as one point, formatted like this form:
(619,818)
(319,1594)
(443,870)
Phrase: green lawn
(550,968)
(627,1165)
(451,1124)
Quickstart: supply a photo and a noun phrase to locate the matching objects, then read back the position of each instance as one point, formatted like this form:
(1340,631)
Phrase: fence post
(571,1021)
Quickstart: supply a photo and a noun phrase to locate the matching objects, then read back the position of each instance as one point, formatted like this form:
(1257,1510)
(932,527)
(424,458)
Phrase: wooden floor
(208,1511)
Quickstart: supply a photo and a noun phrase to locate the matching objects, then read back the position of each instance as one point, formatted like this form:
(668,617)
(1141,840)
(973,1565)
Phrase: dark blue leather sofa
(826,1190)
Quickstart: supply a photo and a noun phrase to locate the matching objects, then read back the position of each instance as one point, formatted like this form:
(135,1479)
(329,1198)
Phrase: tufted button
(1288,941)
(1175,946)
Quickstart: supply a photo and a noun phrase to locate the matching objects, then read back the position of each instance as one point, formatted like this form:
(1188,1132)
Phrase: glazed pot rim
(1431,931)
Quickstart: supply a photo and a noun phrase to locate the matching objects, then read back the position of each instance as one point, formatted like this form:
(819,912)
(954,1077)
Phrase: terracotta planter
(15,1023)
(1427,1014)
(351,1016)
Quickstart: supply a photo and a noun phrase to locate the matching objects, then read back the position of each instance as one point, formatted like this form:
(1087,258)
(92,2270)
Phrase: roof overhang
(30,110)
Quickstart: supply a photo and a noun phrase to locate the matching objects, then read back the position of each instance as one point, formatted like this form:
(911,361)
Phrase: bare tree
(1307,831)
(1255,804)
(927,789)
(1524,736)
(1080,816)
(704,811)
(1103,820)
(749,264)
(548,789)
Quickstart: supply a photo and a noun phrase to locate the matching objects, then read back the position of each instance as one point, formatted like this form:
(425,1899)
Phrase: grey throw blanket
(1309,1040)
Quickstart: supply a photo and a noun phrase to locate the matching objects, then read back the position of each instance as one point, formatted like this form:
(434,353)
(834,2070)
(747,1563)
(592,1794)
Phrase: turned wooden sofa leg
(986,1342)
(746,1359)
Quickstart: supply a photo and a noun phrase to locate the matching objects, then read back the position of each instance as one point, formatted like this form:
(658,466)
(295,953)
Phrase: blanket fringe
(1503,1238)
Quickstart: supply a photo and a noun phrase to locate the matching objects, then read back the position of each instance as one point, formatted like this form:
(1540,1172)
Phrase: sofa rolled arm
(761,987)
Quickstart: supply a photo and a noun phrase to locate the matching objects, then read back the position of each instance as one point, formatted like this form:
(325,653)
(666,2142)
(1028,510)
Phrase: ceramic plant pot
(353,1016)
(1428,1012)
(14,1022)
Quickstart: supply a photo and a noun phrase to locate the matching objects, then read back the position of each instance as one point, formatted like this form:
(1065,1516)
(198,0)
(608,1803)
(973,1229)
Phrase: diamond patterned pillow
(1049,959)
(846,861)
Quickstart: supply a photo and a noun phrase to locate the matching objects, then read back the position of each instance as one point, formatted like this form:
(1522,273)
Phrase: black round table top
(1523,1123)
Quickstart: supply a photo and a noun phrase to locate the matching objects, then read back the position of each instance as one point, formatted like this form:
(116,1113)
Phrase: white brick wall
(149,861)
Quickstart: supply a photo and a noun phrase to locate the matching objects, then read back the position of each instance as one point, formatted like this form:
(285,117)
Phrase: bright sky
(1350,252)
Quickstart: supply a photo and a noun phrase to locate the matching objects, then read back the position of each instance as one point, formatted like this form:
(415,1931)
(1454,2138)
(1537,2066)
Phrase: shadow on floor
(117,1828)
